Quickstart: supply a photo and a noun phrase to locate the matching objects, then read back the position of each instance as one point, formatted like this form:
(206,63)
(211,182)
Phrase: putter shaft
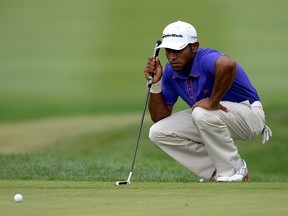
(155,54)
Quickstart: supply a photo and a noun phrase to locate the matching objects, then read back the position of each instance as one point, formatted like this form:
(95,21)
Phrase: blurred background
(71,58)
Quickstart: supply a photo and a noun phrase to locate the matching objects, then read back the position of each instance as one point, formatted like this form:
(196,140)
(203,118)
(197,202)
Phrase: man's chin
(177,67)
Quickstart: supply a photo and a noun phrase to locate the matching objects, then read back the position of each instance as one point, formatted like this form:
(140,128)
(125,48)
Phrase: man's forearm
(158,110)
(225,73)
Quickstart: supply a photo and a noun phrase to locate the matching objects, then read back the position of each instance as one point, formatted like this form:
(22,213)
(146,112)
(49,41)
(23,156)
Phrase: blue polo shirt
(199,83)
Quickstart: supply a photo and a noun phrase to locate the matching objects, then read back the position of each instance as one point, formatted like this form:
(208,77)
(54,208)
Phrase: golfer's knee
(202,116)
(155,133)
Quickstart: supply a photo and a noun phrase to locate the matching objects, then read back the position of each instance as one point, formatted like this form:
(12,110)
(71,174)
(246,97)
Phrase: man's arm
(225,74)
(158,110)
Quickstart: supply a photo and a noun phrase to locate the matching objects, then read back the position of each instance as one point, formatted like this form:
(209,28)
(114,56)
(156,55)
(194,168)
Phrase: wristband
(157,87)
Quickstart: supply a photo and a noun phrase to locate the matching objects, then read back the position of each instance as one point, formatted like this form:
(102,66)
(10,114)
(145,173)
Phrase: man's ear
(194,47)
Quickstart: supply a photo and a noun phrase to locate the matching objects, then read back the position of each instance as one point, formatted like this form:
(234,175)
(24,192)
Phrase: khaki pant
(203,140)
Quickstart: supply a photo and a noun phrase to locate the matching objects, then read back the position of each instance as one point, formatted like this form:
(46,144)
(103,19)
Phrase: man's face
(181,60)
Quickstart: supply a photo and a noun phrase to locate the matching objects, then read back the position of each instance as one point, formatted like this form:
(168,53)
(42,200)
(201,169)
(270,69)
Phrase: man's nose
(173,55)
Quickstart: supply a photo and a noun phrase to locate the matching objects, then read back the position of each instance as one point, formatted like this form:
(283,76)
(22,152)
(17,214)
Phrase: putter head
(122,183)
(125,182)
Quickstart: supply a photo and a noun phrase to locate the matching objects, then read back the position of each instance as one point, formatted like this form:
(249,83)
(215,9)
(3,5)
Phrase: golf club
(127,182)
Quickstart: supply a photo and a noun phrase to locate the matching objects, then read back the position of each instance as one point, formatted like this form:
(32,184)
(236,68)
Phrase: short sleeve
(169,94)
(207,62)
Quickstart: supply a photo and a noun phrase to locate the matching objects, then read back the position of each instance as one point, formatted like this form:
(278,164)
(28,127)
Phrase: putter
(127,182)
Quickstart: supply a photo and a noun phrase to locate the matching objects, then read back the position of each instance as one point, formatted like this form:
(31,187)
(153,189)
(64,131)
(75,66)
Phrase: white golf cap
(178,35)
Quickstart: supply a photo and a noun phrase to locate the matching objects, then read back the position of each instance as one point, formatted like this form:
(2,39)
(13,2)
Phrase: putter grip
(156,51)
(155,54)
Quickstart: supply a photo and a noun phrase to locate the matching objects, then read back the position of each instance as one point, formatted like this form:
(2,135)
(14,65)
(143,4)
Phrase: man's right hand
(154,68)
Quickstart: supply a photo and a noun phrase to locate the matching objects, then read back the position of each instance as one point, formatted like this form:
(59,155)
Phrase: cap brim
(173,46)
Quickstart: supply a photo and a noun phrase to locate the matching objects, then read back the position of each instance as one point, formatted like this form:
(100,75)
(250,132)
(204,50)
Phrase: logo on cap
(172,35)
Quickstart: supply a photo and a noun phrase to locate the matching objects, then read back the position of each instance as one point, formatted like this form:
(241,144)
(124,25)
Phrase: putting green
(98,198)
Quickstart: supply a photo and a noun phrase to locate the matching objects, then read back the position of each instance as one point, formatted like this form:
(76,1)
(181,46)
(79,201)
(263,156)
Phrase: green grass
(72,91)
(100,148)
(99,198)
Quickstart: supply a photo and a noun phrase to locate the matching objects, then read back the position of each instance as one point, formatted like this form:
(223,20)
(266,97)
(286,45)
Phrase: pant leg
(219,129)
(179,138)
(244,121)
(204,140)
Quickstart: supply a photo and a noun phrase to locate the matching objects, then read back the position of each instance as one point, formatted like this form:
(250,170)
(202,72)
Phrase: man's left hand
(207,104)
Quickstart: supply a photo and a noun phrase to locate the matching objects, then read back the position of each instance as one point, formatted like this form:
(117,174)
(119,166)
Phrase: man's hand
(208,104)
(153,67)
